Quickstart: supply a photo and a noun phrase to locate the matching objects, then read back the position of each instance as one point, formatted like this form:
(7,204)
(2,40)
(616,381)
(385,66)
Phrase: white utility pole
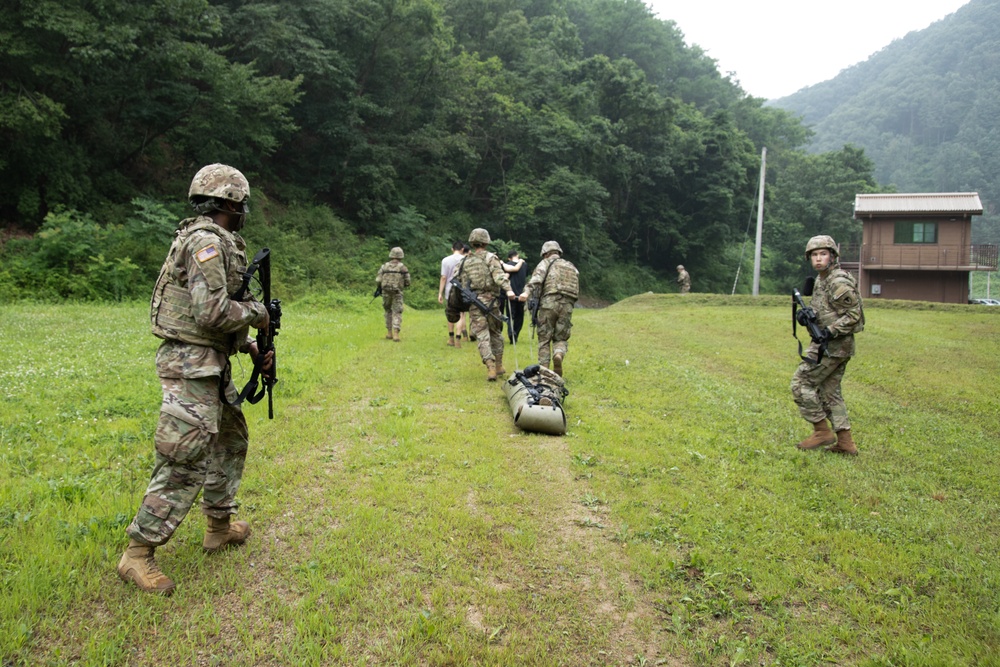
(760,223)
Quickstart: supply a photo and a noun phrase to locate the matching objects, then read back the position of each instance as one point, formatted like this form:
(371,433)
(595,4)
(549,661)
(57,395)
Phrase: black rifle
(377,294)
(533,392)
(533,303)
(806,316)
(261,265)
(472,299)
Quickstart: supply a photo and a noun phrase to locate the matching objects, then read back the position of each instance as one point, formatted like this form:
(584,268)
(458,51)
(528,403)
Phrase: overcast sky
(776,47)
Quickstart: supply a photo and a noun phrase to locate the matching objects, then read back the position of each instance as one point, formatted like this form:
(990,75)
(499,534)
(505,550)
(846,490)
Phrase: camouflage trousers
(487,330)
(816,389)
(392,304)
(555,321)
(201,445)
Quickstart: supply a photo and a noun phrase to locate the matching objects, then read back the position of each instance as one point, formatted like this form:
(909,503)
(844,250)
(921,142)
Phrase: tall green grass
(400,518)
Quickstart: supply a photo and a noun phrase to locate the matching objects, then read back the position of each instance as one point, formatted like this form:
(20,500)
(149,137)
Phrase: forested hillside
(926,110)
(368,123)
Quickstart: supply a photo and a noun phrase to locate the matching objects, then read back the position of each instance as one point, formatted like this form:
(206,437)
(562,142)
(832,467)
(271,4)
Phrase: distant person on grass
(393,277)
(555,282)
(683,279)
(816,383)
(201,440)
(448,267)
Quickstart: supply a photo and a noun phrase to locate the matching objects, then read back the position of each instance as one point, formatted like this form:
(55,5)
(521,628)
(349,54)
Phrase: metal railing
(928,256)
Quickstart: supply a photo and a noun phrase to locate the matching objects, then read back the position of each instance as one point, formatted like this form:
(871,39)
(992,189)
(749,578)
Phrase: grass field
(401,519)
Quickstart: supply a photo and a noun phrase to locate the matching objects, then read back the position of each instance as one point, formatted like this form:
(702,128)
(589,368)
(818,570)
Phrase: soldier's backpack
(393,277)
(477,276)
(564,278)
(455,300)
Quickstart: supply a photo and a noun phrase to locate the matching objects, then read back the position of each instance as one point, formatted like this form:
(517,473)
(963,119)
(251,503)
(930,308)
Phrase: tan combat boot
(499,364)
(557,363)
(139,566)
(451,341)
(395,335)
(491,375)
(221,533)
(458,340)
(845,444)
(821,437)
(388,333)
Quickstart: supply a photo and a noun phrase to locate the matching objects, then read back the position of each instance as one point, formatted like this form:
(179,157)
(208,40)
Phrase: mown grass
(400,518)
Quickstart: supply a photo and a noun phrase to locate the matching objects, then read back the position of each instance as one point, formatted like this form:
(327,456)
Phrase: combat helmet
(680,267)
(216,182)
(396,253)
(479,236)
(549,246)
(820,242)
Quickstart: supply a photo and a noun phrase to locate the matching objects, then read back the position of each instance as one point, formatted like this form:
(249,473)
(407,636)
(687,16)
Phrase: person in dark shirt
(518,271)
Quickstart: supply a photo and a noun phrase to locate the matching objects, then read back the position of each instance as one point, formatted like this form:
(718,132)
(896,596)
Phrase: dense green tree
(98,100)
(587,121)
(812,194)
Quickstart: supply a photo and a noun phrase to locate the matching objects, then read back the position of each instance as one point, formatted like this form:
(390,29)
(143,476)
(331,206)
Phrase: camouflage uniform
(684,280)
(394,277)
(483,273)
(558,296)
(816,387)
(201,443)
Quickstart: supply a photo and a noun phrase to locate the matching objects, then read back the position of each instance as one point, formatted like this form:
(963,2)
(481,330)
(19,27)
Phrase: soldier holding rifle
(836,316)
(203,316)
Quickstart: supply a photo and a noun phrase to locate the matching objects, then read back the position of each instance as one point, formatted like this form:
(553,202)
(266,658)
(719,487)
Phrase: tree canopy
(589,121)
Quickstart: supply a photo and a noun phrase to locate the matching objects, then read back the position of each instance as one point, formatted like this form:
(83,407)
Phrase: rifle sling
(249,392)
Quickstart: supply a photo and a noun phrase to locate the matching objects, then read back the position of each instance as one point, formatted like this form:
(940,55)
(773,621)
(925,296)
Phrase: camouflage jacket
(393,276)
(483,273)
(554,279)
(191,308)
(838,308)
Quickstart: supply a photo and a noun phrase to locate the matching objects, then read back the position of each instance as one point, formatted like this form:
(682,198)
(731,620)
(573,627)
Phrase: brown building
(918,246)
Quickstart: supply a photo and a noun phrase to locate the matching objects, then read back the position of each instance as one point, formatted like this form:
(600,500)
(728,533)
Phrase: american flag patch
(206,253)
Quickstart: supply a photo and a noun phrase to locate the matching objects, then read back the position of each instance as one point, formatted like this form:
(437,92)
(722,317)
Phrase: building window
(915,232)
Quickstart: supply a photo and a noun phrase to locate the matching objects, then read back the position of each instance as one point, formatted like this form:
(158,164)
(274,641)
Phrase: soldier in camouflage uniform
(816,385)
(393,277)
(683,279)
(483,273)
(201,440)
(556,283)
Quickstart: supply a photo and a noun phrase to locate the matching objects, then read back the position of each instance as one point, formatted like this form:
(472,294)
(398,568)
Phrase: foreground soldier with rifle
(483,277)
(202,309)
(833,317)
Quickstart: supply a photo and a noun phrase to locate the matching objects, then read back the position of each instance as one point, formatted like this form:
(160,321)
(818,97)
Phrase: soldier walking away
(518,270)
(555,282)
(683,279)
(483,273)
(448,266)
(201,440)
(393,277)
(816,383)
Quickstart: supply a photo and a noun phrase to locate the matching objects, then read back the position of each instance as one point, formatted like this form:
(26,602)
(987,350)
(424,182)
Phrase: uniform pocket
(189,418)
